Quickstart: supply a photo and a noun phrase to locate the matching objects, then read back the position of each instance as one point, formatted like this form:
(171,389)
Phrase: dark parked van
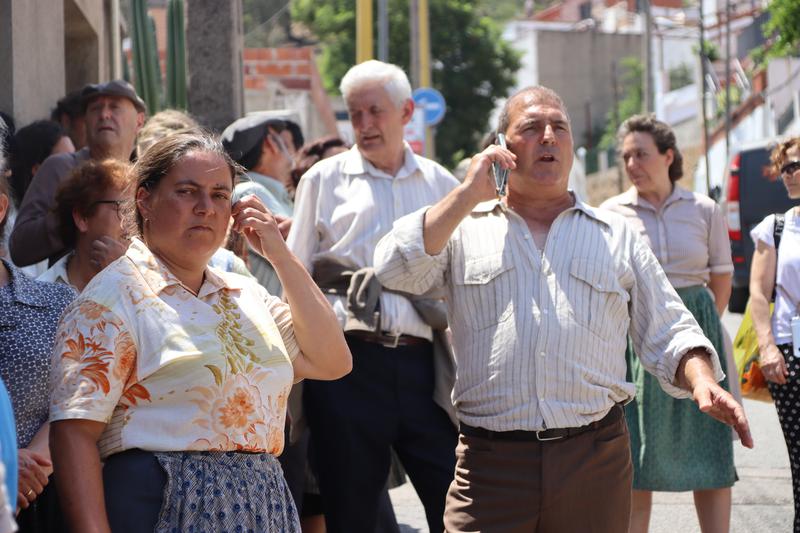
(751,192)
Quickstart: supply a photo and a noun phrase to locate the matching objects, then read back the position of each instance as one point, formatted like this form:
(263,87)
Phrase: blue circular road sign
(432,102)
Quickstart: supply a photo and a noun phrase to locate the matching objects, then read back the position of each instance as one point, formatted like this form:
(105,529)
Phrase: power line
(278,12)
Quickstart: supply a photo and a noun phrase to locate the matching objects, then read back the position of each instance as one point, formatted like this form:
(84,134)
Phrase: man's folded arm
(401,262)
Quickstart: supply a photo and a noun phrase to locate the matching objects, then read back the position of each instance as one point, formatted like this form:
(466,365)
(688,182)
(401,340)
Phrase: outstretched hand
(715,401)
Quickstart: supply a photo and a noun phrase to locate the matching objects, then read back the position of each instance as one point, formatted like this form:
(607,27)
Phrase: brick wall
(294,70)
(292,67)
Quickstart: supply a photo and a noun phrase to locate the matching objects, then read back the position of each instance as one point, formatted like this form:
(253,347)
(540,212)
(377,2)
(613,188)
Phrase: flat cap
(244,134)
(112,88)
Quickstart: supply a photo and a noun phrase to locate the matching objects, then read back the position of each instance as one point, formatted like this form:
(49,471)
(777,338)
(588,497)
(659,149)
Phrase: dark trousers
(138,481)
(787,400)
(44,515)
(581,484)
(386,401)
(294,461)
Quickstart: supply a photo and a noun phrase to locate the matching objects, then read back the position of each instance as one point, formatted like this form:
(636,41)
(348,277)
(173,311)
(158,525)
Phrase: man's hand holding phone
(481,180)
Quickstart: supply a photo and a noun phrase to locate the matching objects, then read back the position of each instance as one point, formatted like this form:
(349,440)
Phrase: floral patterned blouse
(170,371)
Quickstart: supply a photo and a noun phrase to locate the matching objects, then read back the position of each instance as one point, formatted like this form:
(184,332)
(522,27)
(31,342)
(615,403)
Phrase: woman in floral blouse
(176,374)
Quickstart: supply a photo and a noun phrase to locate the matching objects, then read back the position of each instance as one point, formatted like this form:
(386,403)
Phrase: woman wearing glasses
(779,271)
(88,207)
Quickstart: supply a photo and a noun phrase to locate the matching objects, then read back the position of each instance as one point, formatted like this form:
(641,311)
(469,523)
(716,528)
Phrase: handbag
(745,355)
(745,345)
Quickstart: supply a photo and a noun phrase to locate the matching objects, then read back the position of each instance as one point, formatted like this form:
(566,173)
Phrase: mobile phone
(500,173)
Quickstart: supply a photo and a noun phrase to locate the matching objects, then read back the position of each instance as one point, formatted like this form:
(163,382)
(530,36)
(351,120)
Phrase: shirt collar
(158,276)
(355,163)
(597,214)
(273,185)
(24,288)
(58,272)
(631,197)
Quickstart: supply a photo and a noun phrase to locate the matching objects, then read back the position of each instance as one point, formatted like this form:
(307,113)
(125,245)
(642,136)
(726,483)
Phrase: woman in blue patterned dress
(29,312)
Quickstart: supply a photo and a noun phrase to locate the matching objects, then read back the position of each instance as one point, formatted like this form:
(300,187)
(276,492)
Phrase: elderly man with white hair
(343,206)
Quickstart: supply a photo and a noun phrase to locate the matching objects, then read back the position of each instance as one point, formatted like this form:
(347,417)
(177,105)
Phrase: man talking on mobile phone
(542,293)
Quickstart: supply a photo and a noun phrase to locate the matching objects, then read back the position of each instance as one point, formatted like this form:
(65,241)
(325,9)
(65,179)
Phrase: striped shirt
(540,336)
(687,234)
(344,205)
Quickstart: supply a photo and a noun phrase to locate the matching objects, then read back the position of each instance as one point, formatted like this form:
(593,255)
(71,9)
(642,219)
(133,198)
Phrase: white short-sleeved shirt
(170,371)
(787,287)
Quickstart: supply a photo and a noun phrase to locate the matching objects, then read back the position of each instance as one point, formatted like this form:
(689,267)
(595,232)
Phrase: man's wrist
(466,197)
(695,368)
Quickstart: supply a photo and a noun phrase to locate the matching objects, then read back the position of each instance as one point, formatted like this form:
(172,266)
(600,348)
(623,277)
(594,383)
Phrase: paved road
(762,499)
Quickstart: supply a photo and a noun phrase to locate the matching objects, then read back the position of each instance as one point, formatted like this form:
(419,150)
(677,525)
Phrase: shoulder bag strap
(777,231)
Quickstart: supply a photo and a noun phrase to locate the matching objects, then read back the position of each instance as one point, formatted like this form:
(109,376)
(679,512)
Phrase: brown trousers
(581,484)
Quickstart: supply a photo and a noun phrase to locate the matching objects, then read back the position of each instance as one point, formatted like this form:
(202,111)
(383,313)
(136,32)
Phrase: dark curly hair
(778,156)
(662,135)
(312,153)
(85,186)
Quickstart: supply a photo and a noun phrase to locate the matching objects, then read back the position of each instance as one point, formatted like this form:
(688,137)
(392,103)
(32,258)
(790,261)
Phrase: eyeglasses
(790,168)
(117,204)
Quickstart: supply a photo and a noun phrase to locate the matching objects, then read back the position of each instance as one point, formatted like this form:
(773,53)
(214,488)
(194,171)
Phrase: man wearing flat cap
(265,145)
(114,113)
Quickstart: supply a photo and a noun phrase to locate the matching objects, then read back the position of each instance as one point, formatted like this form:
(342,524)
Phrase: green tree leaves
(472,65)
(784,23)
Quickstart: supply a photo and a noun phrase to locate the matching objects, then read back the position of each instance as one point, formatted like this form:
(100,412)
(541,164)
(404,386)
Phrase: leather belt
(386,339)
(552,434)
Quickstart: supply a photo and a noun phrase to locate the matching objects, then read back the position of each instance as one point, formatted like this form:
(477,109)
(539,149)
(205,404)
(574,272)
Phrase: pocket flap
(484,269)
(600,277)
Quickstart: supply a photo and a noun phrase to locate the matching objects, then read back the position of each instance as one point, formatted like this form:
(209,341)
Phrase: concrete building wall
(48,48)
(31,59)
(577,65)
(214,46)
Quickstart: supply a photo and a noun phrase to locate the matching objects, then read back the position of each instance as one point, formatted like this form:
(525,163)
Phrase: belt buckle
(392,343)
(545,439)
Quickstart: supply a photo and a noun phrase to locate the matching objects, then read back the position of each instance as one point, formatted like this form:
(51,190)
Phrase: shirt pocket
(484,290)
(600,303)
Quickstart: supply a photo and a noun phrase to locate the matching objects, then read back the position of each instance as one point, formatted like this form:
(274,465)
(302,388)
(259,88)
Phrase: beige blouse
(687,234)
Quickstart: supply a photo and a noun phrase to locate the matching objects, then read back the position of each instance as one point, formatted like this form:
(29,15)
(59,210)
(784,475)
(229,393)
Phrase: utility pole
(615,92)
(383,30)
(648,57)
(420,38)
(116,42)
(413,26)
(703,97)
(363,30)
(425,69)
(727,79)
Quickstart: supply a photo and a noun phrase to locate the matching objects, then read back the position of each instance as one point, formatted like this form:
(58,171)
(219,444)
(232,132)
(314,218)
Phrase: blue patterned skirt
(201,492)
